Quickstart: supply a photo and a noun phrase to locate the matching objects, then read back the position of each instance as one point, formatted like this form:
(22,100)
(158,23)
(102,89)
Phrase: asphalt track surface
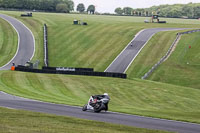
(10,101)
(26,43)
(127,56)
(26,51)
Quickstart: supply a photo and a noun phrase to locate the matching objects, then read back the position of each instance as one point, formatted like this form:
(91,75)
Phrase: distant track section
(26,43)
(127,56)
(10,101)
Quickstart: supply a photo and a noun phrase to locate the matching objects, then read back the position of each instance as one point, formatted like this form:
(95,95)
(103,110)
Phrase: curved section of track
(26,43)
(10,101)
(127,56)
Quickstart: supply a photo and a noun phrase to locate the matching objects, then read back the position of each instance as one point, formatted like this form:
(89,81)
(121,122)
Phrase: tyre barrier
(77,72)
(46,62)
(146,75)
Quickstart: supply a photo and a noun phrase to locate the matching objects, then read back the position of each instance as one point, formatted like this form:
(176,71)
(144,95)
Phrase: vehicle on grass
(97,103)
(28,14)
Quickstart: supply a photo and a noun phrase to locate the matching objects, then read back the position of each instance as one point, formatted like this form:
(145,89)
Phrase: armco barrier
(86,73)
(167,54)
(68,69)
(46,62)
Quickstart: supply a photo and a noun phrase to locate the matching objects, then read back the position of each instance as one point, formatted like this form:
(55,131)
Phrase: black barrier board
(86,73)
(68,69)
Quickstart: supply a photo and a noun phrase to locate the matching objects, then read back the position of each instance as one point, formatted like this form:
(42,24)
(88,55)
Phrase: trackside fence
(71,71)
(167,54)
(46,62)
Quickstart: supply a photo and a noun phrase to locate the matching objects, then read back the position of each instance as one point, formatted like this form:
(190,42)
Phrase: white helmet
(105,94)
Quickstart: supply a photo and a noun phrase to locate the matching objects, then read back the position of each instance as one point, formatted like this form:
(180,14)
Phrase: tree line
(190,10)
(46,5)
(81,8)
(42,5)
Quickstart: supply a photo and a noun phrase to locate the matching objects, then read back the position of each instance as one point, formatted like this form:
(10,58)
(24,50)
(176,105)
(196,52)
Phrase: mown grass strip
(136,96)
(95,45)
(16,121)
(182,67)
(8,42)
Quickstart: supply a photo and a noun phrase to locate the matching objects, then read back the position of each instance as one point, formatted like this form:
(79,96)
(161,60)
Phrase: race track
(26,51)
(10,101)
(26,43)
(127,56)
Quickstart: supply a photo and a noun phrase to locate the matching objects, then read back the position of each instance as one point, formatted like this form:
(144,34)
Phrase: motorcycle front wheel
(84,107)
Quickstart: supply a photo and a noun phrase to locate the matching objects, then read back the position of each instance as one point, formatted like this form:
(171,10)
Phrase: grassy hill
(183,66)
(8,42)
(155,49)
(136,96)
(95,45)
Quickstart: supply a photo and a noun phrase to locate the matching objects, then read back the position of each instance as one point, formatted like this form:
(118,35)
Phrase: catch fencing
(168,53)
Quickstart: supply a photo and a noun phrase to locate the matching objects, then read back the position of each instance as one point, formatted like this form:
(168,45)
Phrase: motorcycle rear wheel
(101,107)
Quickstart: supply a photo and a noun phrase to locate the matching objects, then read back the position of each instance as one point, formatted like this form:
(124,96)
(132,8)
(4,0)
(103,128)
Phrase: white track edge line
(124,49)
(17,44)
(145,45)
(32,37)
(19,39)
(138,52)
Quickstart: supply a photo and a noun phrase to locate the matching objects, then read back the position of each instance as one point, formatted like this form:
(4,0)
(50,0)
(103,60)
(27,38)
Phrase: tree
(62,7)
(91,9)
(70,5)
(197,12)
(80,7)
(45,5)
(127,10)
(119,11)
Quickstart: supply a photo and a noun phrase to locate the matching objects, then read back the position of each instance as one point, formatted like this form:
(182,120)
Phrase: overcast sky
(110,5)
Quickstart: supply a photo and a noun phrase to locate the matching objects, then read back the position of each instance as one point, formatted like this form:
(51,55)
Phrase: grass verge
(136,96)
(16,121)
(154,50)
(8,42)
(182,67)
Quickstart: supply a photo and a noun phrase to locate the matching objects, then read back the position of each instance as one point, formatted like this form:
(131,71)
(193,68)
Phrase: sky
(108,6)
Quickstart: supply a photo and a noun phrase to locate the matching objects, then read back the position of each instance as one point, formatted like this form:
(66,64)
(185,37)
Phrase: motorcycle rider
(108,97)
(105,95)
(94,99)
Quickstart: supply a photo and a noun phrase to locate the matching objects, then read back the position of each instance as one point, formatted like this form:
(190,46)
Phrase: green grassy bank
(129,96)
(15,121)
(95,45)
(8,42)
(183,66)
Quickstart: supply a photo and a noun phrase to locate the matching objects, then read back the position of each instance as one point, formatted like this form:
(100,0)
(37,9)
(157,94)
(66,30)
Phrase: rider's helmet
(105,94)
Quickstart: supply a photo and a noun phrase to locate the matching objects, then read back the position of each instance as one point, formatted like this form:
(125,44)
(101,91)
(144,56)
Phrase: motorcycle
(97,103)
